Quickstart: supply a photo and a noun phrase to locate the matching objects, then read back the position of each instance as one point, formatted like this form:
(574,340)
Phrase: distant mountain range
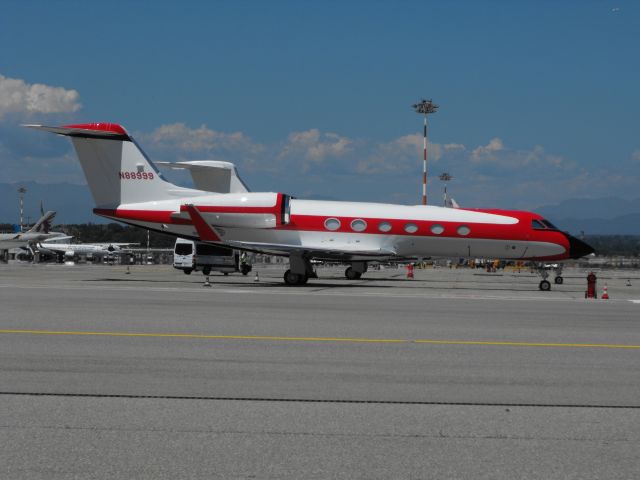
(595,216)
(600,216)
(73,203)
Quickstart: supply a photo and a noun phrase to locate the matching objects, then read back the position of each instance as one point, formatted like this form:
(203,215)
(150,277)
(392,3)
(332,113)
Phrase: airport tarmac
(455,374)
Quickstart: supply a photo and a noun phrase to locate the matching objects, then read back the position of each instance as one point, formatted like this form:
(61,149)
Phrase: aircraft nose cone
(578,248)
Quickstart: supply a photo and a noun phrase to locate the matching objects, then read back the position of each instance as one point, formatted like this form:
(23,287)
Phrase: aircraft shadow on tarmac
(326,283)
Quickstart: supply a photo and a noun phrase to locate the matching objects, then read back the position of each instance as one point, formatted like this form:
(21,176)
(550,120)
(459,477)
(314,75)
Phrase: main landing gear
(300,272)
(291,278)
(355,271)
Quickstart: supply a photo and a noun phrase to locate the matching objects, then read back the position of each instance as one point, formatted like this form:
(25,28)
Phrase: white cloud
(403,154)
(178,137)
(636,155)
(19,97)
(487,152)
(316,146)
(497,154)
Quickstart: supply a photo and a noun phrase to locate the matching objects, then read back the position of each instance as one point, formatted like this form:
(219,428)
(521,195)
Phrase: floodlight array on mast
(425,107)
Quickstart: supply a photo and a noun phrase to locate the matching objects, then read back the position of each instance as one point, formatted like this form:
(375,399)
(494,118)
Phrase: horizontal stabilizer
(211,175)
(87,130)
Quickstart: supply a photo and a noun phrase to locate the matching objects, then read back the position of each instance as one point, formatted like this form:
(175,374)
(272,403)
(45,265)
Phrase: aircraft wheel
(545,286)
(225,273)
(291,278)
(206,270)
(187,272)
(559,280)
(351,274)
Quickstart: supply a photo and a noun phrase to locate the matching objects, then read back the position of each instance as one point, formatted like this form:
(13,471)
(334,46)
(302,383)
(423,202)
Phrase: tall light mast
(425,107)
(445,177)
(21,192)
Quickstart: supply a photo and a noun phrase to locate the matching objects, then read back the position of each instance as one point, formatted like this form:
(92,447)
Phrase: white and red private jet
(127,187)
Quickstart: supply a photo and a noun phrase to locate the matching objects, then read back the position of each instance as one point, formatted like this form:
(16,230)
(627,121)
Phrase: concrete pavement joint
(318,400)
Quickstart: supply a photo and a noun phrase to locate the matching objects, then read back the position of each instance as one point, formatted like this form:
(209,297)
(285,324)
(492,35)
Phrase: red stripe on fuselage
(274,210)
(520,231)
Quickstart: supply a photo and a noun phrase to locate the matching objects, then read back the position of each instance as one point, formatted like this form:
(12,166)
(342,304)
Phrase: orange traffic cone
(605,294)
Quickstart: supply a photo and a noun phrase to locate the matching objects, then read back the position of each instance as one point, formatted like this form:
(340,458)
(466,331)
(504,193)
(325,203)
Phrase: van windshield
(184,249)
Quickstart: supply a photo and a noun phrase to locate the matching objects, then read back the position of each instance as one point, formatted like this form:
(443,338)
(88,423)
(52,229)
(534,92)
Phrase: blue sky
(539,100)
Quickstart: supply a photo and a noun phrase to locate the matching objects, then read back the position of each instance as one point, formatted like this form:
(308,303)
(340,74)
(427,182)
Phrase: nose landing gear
(544,284)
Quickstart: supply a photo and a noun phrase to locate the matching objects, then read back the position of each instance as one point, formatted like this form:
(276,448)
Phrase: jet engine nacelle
(245,210)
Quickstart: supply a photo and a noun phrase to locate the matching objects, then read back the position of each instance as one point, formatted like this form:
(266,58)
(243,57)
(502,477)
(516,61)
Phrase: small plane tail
(117,170)
(44,224)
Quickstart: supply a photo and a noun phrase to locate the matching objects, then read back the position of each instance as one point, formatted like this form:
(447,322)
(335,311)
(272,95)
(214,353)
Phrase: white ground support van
(190,256)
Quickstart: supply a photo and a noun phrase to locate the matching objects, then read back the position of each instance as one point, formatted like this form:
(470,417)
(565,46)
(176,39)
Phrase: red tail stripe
(100,127)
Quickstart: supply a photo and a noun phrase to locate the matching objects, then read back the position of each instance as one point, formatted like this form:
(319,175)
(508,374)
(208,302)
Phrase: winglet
(205,232)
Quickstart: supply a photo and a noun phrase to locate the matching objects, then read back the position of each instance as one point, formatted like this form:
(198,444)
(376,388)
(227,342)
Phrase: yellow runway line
(321,339)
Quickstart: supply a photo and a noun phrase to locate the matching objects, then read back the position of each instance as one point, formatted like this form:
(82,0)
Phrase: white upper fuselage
(360,230)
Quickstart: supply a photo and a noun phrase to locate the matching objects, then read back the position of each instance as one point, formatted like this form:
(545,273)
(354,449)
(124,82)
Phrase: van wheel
(188,271)
(206,270)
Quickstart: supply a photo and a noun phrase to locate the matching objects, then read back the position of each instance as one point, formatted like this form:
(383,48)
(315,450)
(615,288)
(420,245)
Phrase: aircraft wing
(346,252)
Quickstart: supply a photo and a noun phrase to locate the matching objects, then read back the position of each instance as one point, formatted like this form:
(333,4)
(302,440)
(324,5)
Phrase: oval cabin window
(384,226)
(358,225)
(332,224)
(437,229)
(464,230)
(410,228)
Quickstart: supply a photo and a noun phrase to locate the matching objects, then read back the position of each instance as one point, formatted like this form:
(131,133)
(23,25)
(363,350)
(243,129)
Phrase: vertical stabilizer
(117,170)
(44,224)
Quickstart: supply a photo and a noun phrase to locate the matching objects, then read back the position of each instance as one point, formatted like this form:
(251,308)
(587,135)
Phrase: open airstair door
(211,175)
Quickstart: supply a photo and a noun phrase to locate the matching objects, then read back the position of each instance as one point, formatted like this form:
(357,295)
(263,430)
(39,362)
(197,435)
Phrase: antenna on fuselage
(425,107)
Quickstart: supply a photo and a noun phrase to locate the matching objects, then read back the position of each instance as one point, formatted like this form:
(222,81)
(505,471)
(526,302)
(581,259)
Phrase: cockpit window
(536,225)
(549,225)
